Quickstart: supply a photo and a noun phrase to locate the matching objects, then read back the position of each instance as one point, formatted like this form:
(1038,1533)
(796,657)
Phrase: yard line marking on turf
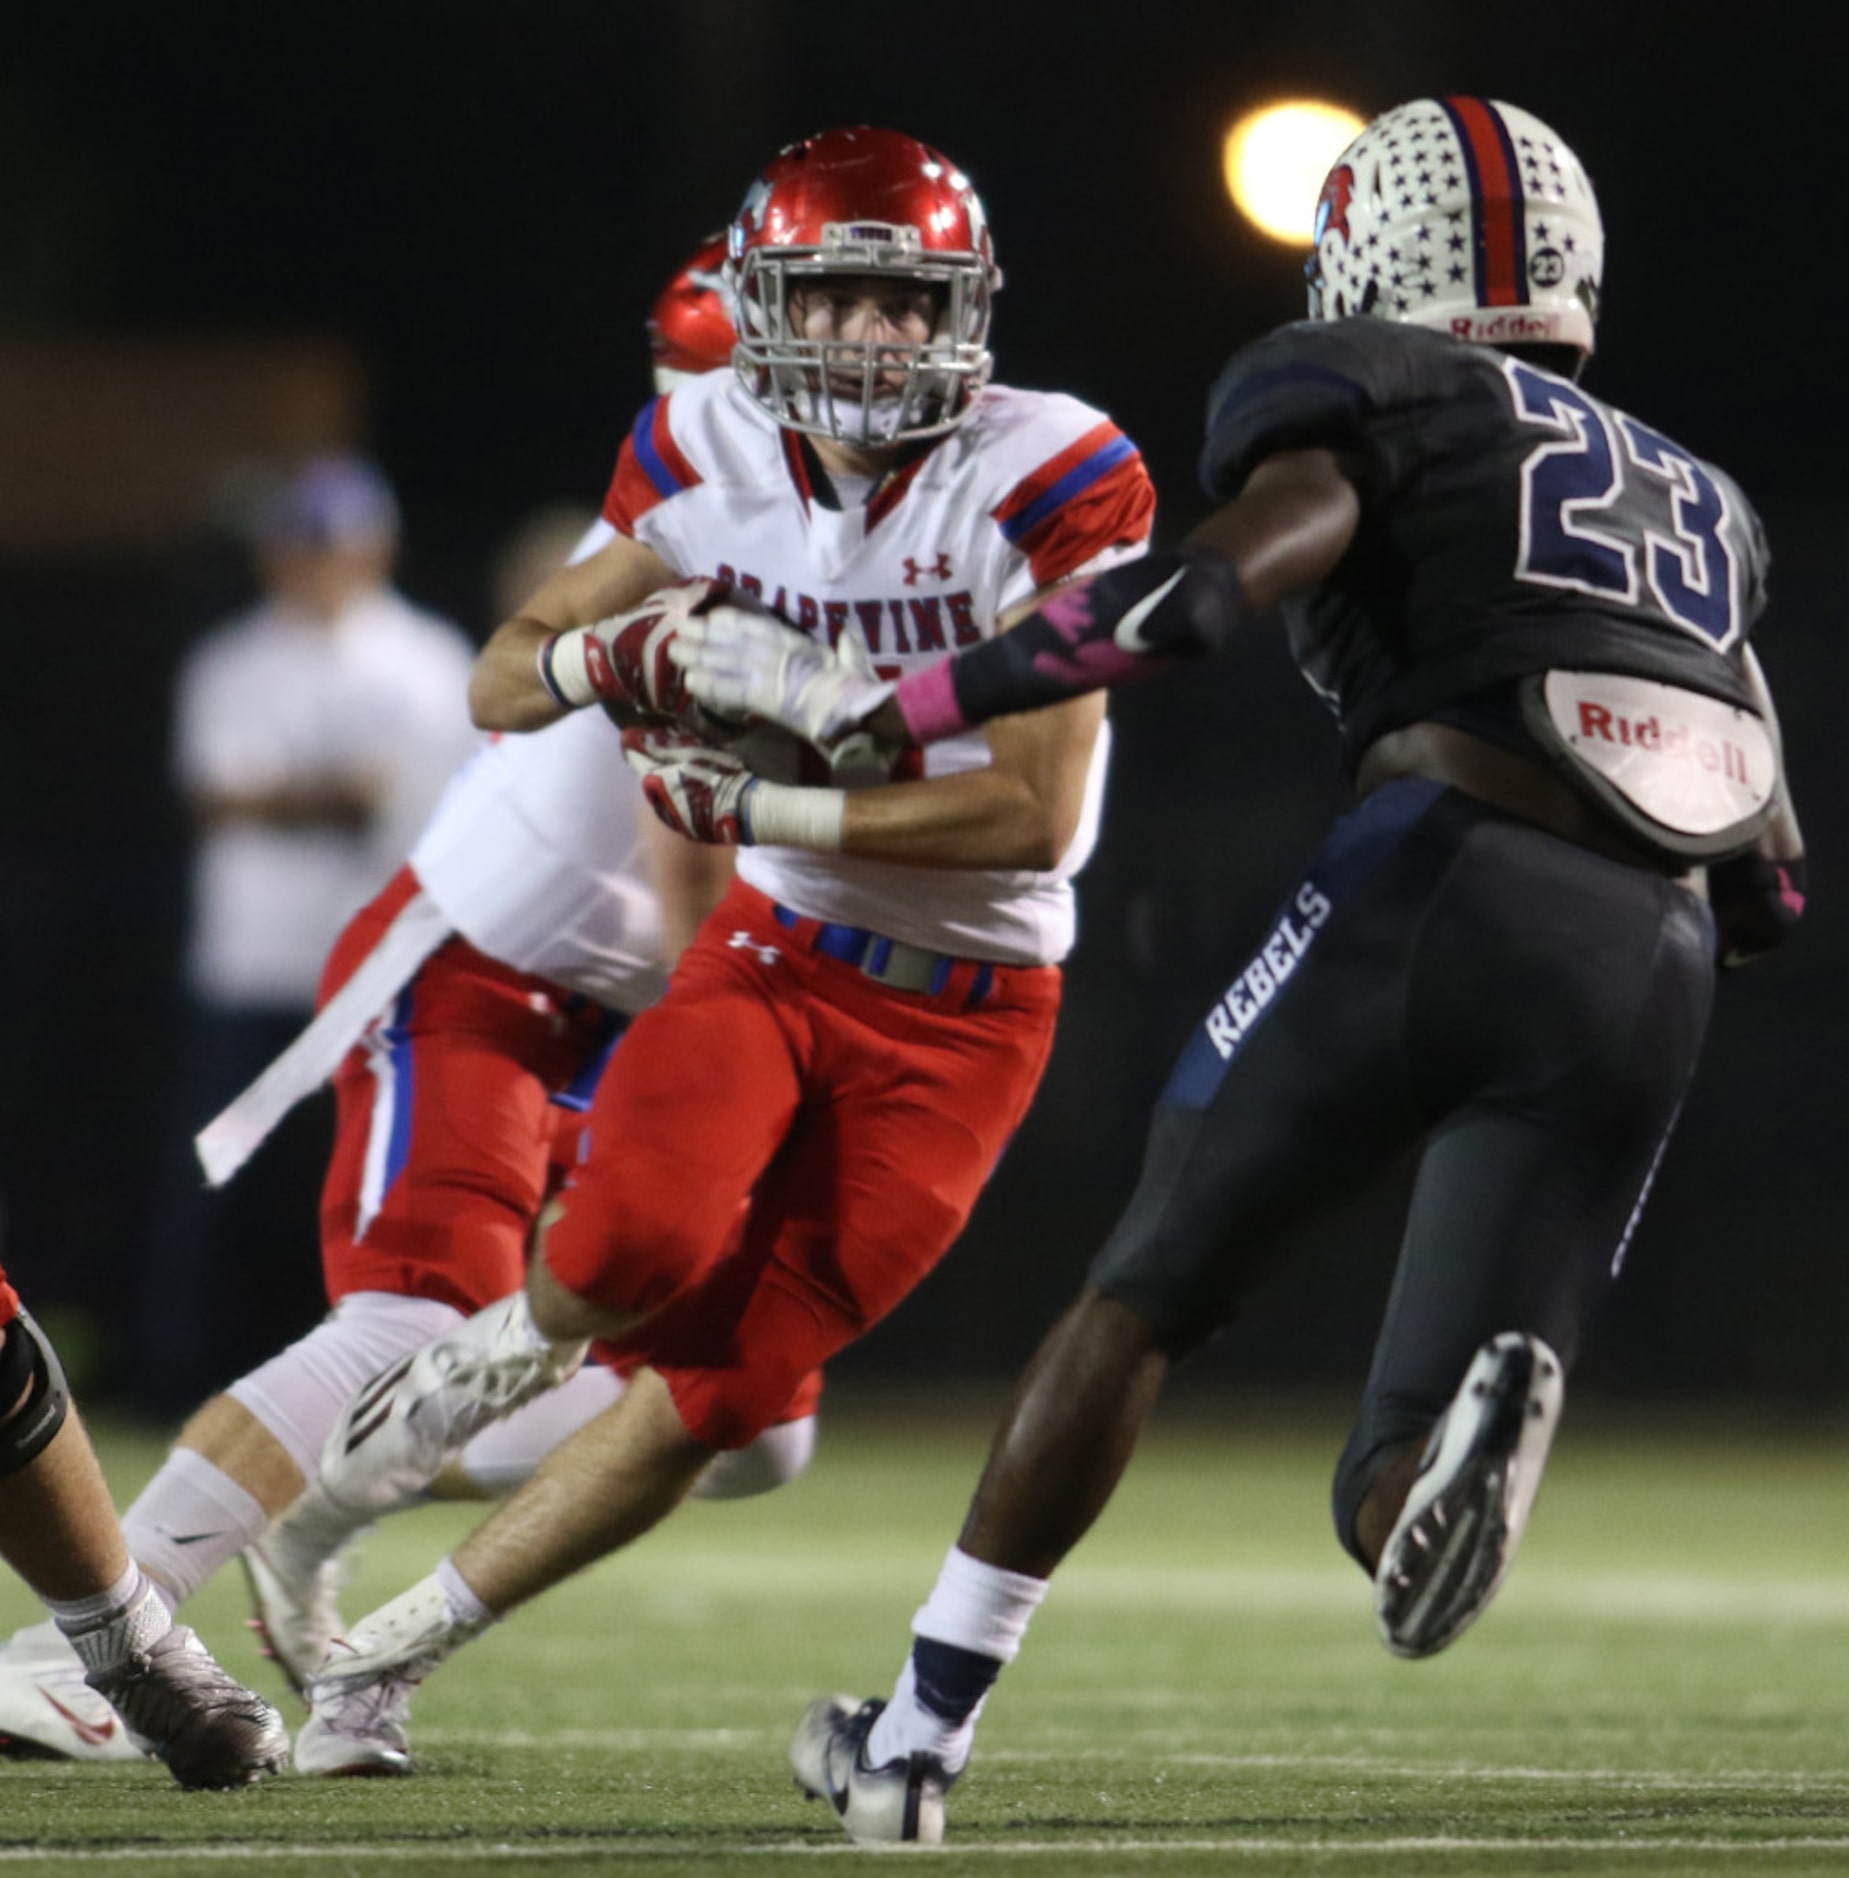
(450,1851)
(644,1740)
(1646,1596)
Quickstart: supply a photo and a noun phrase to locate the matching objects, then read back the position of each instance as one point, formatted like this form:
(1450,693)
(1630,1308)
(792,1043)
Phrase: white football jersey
(1031,489)
(535,855)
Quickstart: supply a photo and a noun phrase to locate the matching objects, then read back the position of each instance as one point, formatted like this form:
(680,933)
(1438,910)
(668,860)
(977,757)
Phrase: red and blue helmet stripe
(1498,222)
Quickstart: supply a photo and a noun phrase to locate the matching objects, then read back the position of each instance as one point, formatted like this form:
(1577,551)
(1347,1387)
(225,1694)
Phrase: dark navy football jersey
(1510,523)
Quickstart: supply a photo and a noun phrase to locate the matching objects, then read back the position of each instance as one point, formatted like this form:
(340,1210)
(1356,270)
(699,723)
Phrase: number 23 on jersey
(1613,508)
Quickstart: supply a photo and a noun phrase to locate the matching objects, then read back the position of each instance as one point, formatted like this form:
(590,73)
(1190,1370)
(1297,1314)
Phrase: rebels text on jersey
(1031,489)
(1510,524)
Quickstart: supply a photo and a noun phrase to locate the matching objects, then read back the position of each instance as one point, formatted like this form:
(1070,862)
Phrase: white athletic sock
(973,1607)
(188,1521)
(113,1625)
(416,1630)
(905,1726)
(460,1600)
(979,1607)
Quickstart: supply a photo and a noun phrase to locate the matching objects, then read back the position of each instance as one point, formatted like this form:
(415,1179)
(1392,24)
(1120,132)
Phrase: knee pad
(29,1367)
(773,1460)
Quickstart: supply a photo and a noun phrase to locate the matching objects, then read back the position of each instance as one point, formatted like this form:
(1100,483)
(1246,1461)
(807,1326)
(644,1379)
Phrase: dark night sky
(486,211)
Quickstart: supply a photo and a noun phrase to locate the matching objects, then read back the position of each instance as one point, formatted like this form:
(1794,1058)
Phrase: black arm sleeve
(1128,622)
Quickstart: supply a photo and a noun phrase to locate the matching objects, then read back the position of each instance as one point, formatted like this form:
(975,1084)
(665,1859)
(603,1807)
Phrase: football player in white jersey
(464,1016)
(855,1033)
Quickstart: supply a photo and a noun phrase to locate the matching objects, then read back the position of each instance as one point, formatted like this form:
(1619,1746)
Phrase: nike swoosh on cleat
(1128,630)
(193,1538)
(92,1734)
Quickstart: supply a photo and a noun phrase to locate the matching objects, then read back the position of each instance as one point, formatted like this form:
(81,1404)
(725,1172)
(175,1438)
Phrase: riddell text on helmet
(1501,329)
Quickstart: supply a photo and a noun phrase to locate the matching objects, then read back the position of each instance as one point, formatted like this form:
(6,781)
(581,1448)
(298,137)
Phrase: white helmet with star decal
(1465,215)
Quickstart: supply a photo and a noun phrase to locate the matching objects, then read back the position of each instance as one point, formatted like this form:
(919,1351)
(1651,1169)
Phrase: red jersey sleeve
(1095,494)
(649,469)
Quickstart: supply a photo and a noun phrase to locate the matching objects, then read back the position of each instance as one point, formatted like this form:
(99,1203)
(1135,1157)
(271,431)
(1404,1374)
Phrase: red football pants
(861,1123)
(450,1130)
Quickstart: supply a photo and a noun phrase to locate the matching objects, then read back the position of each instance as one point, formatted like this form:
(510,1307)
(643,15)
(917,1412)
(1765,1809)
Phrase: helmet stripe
(1499,227)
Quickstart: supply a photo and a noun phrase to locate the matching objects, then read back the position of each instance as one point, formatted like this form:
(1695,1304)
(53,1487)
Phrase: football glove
(711,795)
(698,791)
(1756,902)
(744,665)
(624,660)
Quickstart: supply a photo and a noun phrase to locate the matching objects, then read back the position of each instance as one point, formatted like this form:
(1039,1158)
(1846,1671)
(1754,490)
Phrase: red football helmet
(863,201)
(690,329)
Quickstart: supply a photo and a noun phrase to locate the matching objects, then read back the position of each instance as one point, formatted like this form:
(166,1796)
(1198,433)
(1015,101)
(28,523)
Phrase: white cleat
(360,1698)
(358,1723)
(392,1439)
(296,1617)
(901,1803)
(1456,1535)
(48,1711)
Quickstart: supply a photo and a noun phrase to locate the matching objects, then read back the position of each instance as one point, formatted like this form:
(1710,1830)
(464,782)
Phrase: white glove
(624,659)
(745,665)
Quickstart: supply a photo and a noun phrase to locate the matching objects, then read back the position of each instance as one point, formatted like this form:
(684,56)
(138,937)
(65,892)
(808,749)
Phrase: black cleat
(1456,1535)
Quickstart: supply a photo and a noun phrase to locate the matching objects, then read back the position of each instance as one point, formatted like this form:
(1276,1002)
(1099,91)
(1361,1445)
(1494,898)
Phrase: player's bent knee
(35,1394)
(773,1460)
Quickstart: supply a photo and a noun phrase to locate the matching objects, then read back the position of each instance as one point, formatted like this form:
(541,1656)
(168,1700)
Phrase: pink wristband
(927,701)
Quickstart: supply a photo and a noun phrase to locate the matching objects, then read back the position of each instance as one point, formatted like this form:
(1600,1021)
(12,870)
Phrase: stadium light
(1275,161)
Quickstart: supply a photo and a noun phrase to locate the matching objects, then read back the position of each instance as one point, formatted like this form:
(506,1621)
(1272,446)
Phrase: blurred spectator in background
(313,734)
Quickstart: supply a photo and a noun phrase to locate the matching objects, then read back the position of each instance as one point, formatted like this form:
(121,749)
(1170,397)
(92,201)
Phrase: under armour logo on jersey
(742,941)
(938,569)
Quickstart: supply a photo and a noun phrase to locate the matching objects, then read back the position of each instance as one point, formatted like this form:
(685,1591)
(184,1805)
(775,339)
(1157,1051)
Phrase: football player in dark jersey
(1528,612)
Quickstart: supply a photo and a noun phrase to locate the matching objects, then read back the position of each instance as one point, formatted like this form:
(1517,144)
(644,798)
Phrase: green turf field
(1662,1688)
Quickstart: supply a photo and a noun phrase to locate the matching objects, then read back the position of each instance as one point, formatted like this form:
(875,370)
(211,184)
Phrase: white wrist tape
(565,667)
(780,816)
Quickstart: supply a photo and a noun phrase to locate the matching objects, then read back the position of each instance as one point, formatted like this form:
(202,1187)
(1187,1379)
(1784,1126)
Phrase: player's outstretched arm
(1285,531)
